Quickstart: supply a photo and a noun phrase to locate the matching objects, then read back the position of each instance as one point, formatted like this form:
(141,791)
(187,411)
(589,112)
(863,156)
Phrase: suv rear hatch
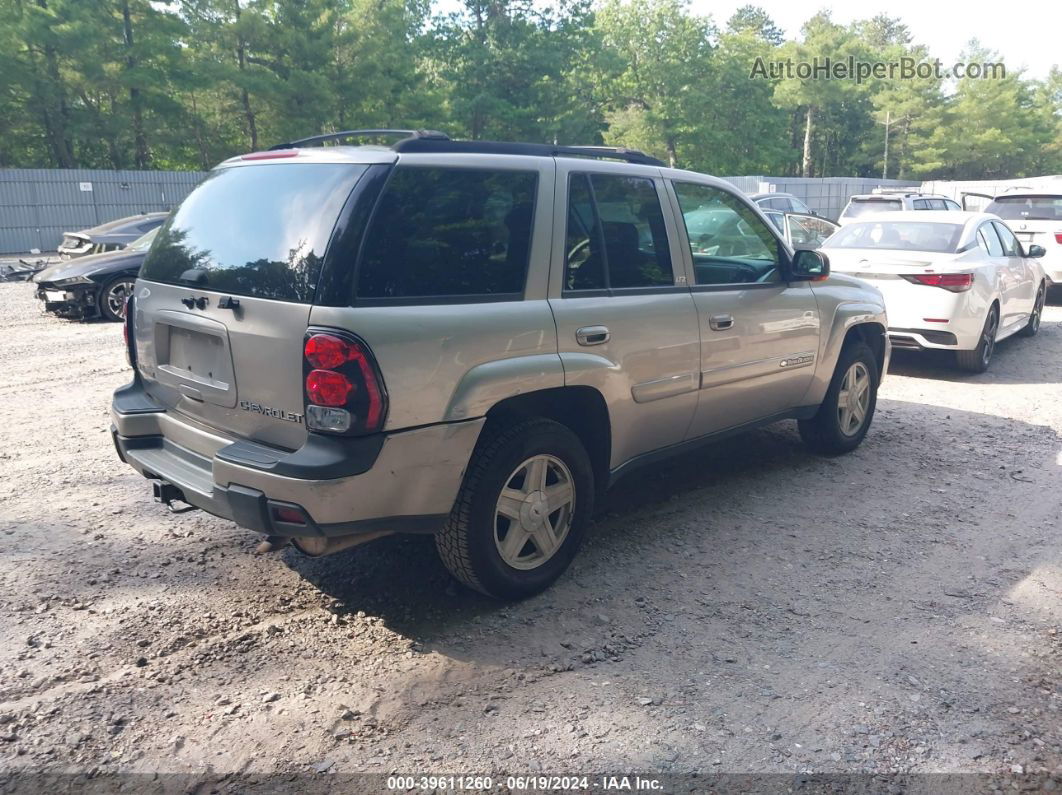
(224,295)
(859,207)
(1034,219)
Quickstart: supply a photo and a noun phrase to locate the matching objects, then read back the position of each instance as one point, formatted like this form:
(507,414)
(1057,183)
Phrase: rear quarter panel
(452,362)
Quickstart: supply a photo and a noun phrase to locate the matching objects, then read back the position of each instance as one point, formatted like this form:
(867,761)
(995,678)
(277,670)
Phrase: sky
(1027,37)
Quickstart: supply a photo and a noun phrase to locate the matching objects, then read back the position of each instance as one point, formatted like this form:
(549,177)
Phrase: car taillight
(128,333)
(954,282)
(328,388)
(1058,237)
(343,386)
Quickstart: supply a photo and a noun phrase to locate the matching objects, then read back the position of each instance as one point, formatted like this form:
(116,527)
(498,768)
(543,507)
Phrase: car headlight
(73,280)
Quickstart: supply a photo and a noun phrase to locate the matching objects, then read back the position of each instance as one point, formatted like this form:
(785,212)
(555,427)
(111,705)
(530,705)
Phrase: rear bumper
(403,482)
(922,339)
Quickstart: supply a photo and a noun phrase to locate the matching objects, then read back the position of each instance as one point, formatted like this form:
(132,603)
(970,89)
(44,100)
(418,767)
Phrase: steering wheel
(581,247)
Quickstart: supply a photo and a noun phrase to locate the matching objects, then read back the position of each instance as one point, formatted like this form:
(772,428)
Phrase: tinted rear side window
(254,230)
(446,232)
(616,235)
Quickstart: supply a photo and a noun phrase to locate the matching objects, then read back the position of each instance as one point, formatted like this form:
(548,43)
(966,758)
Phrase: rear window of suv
(1027,208)
(256,230)
(441,232)
(858,207)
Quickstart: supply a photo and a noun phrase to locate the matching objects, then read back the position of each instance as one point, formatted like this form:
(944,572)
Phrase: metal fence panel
(37,205)
(14,217)
(71,216)
(18,240)
(20,193)
(826,195)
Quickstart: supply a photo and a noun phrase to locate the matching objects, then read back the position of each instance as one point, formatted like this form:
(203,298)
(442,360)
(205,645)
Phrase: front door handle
(721,322)
(592,335)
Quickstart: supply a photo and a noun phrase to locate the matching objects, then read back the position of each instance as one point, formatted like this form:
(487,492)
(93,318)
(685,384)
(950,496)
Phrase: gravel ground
(750,608)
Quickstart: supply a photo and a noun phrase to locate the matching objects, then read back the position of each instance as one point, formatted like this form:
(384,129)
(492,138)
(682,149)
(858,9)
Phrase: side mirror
(1035,251)
(809,266)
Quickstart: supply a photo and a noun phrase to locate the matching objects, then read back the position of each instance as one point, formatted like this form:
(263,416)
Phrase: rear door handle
(721,322)
(592,335)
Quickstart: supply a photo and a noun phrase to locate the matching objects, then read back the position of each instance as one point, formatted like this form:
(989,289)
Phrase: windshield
(898,236)
(858,207)
(254,230)
(143,243)
(1027,208)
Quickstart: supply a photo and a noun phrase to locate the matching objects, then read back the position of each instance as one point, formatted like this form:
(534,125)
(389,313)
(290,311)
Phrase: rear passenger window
(987,239)
(616,237)
(729,243)
(445,232)
(1011,247)
(920,204)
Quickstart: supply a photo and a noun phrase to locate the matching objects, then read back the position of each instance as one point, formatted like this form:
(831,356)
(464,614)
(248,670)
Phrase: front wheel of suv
(844,417)
(522,510)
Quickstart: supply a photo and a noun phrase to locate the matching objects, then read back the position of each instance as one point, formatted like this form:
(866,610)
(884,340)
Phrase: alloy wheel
(989,337)
(1038,310)
(853,401)
(116,297)
(534,512)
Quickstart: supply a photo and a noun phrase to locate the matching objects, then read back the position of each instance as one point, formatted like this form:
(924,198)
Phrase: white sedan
(951,280)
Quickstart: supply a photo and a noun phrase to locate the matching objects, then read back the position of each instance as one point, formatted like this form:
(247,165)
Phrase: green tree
(834,105)
(740,102)
(656,75)
(506,67)
(755,21)
(989,128)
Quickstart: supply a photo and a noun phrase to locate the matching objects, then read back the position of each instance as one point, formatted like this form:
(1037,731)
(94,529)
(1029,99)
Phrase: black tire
(823,432)
(105,302)
(468,545)
(1033,325)
(977,360)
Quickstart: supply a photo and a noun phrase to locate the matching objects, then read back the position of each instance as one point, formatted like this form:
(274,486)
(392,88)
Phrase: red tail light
(954,282)
(344,389)
(1058,237)
(328,388)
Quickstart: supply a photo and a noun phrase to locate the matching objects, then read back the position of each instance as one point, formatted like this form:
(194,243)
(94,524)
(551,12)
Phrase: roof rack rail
(315,140)
(433,141)
(444,145)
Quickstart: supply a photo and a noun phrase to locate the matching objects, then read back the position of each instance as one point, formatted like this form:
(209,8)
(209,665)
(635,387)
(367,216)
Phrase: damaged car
(111,236)
(93,286)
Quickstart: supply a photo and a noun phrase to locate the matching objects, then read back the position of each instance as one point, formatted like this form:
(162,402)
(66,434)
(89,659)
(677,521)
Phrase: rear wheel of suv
(522,510)
(844,417)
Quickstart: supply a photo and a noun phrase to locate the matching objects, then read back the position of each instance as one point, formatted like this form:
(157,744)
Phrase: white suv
(884,201)
(1036,218)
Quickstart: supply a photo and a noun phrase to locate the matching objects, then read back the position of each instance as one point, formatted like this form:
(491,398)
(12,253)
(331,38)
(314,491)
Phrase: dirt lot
(750,608)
